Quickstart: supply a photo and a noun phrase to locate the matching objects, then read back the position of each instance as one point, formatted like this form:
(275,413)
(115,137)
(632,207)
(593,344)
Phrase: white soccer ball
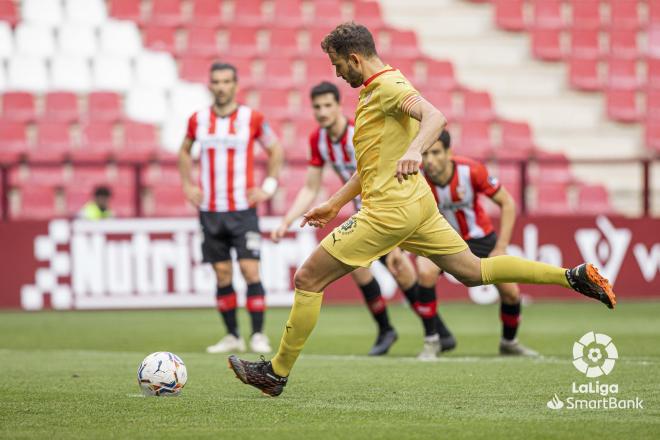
(162,374)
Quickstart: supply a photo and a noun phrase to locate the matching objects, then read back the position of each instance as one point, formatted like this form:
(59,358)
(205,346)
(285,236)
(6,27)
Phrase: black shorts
(225,230)
(482,247)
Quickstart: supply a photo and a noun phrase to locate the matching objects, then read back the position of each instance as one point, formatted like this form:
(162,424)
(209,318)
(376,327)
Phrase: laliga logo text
(594,355)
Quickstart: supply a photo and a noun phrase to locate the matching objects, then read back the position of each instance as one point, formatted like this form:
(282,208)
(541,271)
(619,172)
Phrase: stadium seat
(288,13)
(38,176)
(368,13)
(319,70)
(89,12)
(548,14)
(201,41)
(43,12)
(440,74)
(622,74)
(584,74)
(18,106)
(125,10)
(120,38)
(36,202)
(653,74)
(111,73)
(243,41)
(166,13)
(206,13)
(624,14)
(3,77)
(517,143)
(477,106)
(326,12)
(104,106)
(187,98)
(280,72)
(169,201)
(9,12)
(61,106)
(27,73)
(90,175)
(622,105)
(551,199)
(140,141)
(393,42)
(586,14)
(653,104)
(248,13)
(585,43)
(283,42)
(121,203)
(53,141)
(70,74)
(553,168)
(146,105)
(546,44)
(593,199)
(156,70)
(195,69)
(160,38)
(653,41)
(34,40)
(474,140)
(509,14)
(13,142)
(623,44)
(652,135)
(275,101)
(653,14)
(442,100)
(6,41)
(97,142)
(77,40)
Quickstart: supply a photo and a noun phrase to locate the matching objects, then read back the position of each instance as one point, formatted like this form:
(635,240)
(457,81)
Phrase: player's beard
(354,77)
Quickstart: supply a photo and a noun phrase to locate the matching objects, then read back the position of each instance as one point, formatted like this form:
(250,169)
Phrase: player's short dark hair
(350,38)
(323,88)
(445,139)
(102,191)
(224,66)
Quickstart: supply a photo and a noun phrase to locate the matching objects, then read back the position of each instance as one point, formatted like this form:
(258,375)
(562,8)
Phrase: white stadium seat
(145,104)
(172,133)
(6,41)
(74,39)
(34,40)
(186,98)
(45,12)
(120,38)
(112,73)
(155,69)
(70,74)
(3,78)
(28,74)
(91,12)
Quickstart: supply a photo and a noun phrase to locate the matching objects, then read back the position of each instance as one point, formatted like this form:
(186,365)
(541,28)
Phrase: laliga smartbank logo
(594,355)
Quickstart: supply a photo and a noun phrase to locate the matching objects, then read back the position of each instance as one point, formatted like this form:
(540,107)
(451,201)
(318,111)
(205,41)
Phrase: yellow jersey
(383,133)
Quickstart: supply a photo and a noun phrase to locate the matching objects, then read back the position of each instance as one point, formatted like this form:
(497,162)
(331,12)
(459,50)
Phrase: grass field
(73,375)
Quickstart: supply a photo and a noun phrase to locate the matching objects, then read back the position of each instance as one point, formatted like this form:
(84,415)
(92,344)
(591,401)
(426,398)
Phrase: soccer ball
(162,374)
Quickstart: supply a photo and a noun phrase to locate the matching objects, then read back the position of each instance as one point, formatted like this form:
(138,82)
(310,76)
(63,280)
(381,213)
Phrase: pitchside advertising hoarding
(156,263)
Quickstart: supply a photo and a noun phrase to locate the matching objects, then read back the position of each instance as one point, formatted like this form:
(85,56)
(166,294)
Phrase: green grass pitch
(73,375)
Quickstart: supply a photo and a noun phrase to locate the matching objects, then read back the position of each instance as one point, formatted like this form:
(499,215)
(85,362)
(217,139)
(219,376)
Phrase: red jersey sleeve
(262,130)
(192,127)
(482,181)
(315,158)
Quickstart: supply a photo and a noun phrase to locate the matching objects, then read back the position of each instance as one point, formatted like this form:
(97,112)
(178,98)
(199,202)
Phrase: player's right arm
(303,201)
(319,216)
(192,192)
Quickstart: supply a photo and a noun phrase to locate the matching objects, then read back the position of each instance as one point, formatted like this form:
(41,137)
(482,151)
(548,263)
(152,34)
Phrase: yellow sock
(302,319)
(508,269)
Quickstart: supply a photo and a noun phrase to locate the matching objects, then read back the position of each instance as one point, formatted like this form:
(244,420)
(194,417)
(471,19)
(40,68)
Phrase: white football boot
(431,348)
(229,343)
(515,348)
(259,343)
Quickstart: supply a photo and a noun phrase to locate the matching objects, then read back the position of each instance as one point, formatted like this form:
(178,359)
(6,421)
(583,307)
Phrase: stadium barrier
(156,263)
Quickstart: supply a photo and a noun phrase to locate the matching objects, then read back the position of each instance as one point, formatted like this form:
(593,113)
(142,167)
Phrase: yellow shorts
(417,227)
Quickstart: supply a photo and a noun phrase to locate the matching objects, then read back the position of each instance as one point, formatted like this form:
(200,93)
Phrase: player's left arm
(432,122)
(268,140)
(507,220)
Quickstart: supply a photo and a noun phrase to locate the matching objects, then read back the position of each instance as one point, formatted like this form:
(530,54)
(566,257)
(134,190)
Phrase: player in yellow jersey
(394,125)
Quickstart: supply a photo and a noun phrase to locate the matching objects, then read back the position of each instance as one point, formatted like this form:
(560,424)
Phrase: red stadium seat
(288,13)
(97,142)
(207,13)
(653,42)
(92,175)
(442,100)
(13,142)
(652,135)
(653,73)
(284,42)
(475,140)
(509,176)
(38,176)
(36,202)
(279,72)
(546,44)
(622,74)
(584,74)
(18,106)
(653,14)
(248,12)
(585,43)
(201,41)
(169,201)
(623,44)
(509,14)
(327,12)
(195,68)
(140,141)
(622,105)
(551,199)
(593,199)
(126,10)
(368,13)
(158,37)
(243,41)
(319,70)
(548,14)
(54,141)
(61,106)
(166,13)
(517,143)
(274,101)
(104,106)
(624,15)
(477,106)
(393,42)
(586,14)
(441,74)
(9,12)
(553,168)
(653,105)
